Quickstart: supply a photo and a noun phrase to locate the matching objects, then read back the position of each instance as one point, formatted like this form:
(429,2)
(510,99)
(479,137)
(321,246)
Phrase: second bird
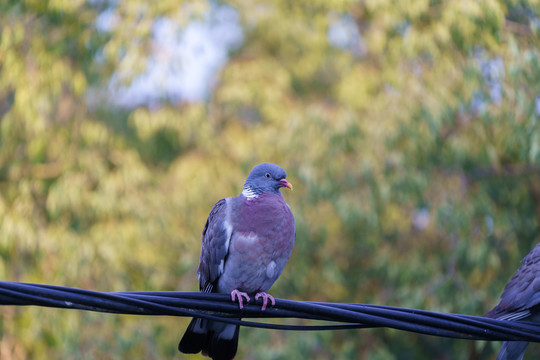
(520,300)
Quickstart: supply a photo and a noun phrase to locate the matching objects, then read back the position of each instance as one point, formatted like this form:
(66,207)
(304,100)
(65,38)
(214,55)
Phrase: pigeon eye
(267,175)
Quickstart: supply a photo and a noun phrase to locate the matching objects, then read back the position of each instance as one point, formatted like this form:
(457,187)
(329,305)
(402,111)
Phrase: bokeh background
(410,130)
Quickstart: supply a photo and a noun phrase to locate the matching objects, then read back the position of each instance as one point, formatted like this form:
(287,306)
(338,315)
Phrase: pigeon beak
(286,184)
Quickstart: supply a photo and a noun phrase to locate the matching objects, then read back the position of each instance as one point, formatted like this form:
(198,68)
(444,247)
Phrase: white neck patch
(249,193)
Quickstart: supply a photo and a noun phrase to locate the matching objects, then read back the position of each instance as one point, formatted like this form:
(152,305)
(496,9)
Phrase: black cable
(219,307)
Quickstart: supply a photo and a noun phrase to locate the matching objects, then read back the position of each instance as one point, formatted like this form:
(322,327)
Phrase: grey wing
(215,246)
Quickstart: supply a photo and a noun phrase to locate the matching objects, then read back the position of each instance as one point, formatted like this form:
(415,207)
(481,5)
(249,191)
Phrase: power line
(334,316)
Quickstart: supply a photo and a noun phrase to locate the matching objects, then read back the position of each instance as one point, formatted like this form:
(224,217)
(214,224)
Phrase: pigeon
(519,301)
(246,242)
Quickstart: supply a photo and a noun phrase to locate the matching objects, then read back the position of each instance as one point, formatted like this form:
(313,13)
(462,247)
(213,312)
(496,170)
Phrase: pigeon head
(265,177)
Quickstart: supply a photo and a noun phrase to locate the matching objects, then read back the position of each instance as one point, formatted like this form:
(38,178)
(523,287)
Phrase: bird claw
(240,295)
(265,297)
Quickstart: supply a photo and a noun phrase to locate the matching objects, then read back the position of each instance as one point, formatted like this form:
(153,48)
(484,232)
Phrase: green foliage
(415,163)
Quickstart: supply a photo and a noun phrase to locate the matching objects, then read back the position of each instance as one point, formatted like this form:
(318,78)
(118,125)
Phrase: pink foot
(235,293)
(265,297)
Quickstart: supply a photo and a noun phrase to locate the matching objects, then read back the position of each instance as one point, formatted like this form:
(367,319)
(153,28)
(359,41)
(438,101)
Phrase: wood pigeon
(246,242)
(520,301)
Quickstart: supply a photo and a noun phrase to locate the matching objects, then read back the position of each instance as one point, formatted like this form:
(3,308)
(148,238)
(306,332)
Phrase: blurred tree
(409,129)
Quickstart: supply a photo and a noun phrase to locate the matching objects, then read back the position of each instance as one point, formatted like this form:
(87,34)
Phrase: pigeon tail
(223,343)
(216,340)
(195,338)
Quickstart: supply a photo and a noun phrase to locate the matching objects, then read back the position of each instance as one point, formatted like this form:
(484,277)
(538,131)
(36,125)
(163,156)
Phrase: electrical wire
(335,316)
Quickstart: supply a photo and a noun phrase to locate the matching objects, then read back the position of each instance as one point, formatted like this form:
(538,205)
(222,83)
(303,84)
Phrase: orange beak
(286,184)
